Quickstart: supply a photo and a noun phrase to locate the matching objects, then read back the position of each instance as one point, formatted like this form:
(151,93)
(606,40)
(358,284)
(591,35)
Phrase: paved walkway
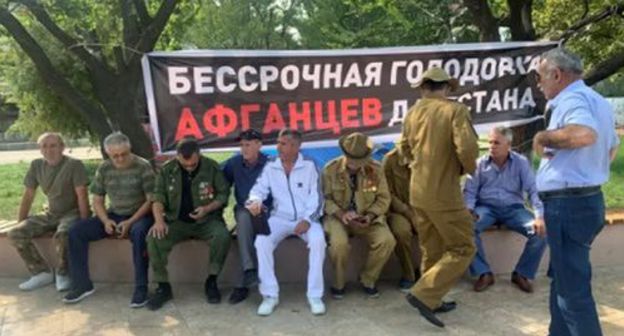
(502,310)
(83,153)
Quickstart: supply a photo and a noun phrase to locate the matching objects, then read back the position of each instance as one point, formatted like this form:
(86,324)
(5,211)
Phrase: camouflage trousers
(22,236)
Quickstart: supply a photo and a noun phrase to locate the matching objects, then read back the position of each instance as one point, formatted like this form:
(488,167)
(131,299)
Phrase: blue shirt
(238,172)
(586,166)
(499,187)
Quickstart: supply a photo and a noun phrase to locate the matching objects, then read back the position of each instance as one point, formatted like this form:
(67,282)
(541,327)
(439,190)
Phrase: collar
(577,84)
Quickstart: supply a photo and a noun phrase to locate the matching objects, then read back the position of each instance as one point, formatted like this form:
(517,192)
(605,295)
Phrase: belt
(580,191)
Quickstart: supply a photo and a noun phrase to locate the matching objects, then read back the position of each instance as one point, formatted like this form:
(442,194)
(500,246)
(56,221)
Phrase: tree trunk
(484,20)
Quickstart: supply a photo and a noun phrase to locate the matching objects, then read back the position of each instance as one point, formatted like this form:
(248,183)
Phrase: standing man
(64,182)
(575,152)
(293,181)
(496,193)
(356,201)
(128,181)
(401,216)
(439,142)
(189,198)
(242,171)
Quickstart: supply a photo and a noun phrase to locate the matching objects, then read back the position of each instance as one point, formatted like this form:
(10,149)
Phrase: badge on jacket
(206,191)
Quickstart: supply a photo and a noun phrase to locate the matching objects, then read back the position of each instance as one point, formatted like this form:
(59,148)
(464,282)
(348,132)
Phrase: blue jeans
(516,218)
(572,223)
(92,229)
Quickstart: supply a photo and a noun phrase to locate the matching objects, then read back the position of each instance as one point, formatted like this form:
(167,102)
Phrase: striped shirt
(128,188)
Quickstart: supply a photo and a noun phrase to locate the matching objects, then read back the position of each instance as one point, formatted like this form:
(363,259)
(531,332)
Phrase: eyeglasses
(119,155)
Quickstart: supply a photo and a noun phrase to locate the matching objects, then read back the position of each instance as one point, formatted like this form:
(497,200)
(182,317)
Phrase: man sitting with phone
(356,201)
(128,181)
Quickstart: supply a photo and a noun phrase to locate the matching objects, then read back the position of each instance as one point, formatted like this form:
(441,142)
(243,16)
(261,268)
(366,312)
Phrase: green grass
(12,176)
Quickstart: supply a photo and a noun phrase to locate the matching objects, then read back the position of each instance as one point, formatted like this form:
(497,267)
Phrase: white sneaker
(63,283)
(316,306)
(267,306)
(37,281)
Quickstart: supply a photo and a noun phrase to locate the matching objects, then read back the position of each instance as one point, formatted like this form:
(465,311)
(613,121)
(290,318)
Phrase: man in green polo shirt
(189,198)
(64,182)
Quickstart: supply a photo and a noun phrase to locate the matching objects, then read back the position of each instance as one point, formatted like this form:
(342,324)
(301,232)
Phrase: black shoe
(250,278)
(211,290)
(405,285)
(337,293)
(77,295)
(139,297)
(445,307)
(161,296)
(424,310)
(372,292)
(238,294)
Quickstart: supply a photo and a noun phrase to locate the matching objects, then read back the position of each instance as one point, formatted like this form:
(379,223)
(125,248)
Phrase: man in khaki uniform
(356,201)
(64,182)
(401,216)
(441,145)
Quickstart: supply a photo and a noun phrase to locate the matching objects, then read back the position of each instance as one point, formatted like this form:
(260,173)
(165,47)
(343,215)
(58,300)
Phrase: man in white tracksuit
(293,182)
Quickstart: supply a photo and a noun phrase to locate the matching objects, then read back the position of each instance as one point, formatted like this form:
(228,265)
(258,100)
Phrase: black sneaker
(372,292)
(424,311)
(139,298)
(250,278)
(211,290)
(337,293)
(238,294)
(160,297)
(77,295)
(405,285)
(445,307)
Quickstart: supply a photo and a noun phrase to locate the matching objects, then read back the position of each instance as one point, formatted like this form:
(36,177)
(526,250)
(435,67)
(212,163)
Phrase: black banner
(214,94)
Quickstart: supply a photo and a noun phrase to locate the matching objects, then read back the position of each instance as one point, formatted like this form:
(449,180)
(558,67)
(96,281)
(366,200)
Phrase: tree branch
(605,69)
(69,42)
(600,16)
(483,19)
(92,113)
(521,20)
(144,17)
(151,34)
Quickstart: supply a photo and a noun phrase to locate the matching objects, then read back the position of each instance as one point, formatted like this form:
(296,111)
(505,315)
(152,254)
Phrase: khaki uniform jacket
(398,178)
(371,196)
(441,145)
(208,185)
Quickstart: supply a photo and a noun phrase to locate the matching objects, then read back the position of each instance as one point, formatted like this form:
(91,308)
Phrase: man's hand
(254,207)
(123,228)
(159,230)
(363,221)
(109,226)
(540,227)
(198,213)
(348,216)
(302,227)
(474,215)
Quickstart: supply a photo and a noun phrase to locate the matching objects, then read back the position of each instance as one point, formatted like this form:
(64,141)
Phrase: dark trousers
(572,223)
(92,229)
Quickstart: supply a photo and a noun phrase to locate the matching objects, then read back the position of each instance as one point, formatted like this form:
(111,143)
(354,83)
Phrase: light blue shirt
(586,166)
(500,187)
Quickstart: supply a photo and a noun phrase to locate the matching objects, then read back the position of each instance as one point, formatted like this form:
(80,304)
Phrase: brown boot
(485,280)
(523,283)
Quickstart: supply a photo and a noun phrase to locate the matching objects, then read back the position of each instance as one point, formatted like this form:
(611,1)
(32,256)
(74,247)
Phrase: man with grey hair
(495,193)
(128,180)
(575,150)
(294,183)
(63,181)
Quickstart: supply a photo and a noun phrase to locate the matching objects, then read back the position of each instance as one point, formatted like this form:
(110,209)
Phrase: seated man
(63,181)
(128,180)
(356,201)
(401,217)
(495,193)
(242,171)
(189,197)
(293,182)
